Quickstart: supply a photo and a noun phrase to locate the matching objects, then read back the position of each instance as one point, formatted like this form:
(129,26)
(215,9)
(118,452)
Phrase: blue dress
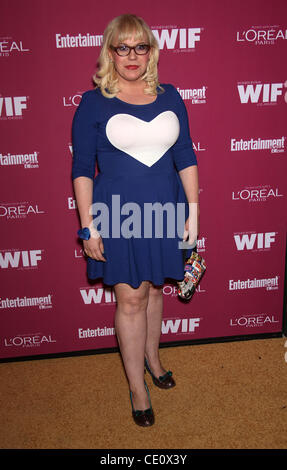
(139,204)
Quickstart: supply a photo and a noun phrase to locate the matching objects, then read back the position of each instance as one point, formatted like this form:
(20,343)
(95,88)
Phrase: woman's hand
(191,228)
(94,247)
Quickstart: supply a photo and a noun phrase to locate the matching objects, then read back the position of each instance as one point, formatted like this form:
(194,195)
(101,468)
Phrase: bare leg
(154,319)
(131,327)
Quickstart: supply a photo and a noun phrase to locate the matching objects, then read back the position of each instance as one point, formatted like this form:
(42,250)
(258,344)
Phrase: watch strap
(84,233)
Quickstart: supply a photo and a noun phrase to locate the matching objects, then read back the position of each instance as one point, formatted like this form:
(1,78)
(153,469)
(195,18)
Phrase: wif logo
(12,106)
(260,93)
(99,296)
(179,326)
(20,259)
(183,38)
(257,241)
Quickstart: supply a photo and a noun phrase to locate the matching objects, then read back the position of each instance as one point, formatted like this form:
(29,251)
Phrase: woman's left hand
(191,228)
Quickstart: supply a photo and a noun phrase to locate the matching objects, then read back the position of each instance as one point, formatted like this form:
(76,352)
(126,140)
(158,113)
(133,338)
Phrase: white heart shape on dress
(145,141)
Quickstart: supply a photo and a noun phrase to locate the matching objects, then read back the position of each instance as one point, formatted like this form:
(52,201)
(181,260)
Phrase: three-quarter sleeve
(84,138)
(183,152)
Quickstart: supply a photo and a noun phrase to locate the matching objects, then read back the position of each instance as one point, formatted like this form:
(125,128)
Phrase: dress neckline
(134,104)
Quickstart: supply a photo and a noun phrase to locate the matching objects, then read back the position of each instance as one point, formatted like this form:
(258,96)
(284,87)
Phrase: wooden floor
(228,396)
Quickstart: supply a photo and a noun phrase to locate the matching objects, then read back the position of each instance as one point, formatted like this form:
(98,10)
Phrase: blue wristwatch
(84,233)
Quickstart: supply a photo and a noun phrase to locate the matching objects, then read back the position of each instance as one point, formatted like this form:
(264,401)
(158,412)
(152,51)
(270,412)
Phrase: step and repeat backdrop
(227,60)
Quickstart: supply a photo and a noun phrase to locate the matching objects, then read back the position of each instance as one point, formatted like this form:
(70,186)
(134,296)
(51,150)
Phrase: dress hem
(112,283)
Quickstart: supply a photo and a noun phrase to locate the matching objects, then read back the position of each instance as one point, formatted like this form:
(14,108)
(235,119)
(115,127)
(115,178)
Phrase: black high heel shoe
(143,417)
(164,381)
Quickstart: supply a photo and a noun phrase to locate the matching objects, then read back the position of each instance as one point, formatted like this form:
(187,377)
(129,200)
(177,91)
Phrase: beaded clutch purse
(194,269)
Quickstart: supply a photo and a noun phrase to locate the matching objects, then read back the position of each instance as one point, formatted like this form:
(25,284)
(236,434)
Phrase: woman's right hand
(94,248)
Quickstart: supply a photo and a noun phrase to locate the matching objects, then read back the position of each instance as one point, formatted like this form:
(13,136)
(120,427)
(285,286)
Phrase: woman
(138,132)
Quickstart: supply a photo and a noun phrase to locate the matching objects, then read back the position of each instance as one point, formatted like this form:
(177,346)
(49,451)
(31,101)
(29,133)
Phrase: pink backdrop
(228,60)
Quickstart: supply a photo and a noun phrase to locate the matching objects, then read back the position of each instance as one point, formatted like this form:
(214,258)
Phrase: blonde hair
(121,28)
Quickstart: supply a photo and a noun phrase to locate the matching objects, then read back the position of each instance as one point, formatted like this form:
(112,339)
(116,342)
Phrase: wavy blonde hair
(121,28)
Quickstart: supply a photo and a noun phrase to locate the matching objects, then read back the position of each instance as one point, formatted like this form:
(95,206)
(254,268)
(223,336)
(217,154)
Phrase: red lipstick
(132,67)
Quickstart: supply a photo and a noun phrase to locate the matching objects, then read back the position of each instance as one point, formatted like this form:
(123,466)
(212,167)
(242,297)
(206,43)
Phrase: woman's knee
(130,300)
(155,291)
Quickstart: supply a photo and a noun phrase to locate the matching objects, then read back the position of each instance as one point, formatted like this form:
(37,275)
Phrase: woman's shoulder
(170,90)
(168,87)
(92,94)
(91,101)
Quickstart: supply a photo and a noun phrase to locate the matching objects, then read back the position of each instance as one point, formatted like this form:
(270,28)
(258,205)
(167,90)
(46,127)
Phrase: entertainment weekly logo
(262,193)
(275,145)
(78,40)
(26,159)
(194,95)
(262,94)
(95,332)
(41,303)
(269,284)
(262,35)
(10,46)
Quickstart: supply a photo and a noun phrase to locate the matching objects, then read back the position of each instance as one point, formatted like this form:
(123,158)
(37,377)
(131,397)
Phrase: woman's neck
(133,93)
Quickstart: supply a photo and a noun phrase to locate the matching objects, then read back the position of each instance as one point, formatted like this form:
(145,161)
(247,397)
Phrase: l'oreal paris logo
(261,36)
(28,341)
(253,320)
(8,46)
(256,194)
